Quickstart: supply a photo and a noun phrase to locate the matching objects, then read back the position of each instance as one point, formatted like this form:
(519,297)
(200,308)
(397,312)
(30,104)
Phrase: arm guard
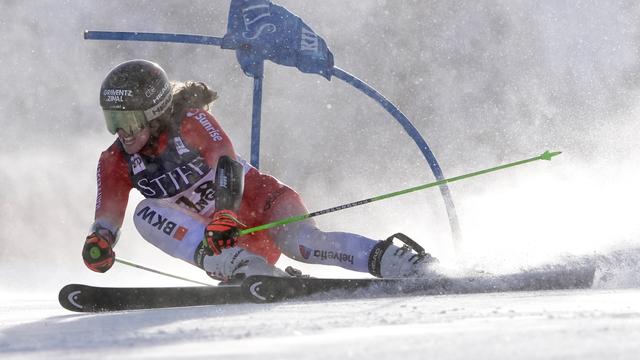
(229,184)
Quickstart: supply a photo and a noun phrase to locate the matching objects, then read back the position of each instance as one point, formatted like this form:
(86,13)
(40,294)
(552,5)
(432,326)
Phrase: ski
(85,298)
(266,289)
(263,289)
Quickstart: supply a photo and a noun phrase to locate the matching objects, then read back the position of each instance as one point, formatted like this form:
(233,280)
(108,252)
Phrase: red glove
(98,252)
(222,232)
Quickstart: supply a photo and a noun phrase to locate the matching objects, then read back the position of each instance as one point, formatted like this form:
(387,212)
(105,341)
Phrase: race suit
(176,176)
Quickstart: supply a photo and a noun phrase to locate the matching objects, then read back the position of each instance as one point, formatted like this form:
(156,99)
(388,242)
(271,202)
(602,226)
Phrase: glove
(98,252)
(222,232)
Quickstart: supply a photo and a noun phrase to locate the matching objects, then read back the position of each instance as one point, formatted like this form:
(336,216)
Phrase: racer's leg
(303,241)
(179,232)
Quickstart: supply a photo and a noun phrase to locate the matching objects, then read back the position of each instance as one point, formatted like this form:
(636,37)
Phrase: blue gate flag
(258,30)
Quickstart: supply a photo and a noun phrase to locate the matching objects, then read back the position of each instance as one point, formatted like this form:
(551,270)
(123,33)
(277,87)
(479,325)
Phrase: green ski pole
(547,155)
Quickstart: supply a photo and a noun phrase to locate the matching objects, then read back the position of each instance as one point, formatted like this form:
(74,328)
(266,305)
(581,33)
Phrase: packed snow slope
(600,322)
(581,324)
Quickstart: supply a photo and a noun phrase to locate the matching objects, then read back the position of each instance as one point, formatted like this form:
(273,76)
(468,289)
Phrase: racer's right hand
(222,232)
(98,252)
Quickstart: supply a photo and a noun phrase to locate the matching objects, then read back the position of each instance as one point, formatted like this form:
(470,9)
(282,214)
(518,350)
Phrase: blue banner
(258,30)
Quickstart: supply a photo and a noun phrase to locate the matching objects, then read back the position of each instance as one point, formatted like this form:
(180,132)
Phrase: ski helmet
(134,93)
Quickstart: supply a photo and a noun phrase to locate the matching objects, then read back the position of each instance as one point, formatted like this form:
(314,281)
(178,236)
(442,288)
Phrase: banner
(258,30)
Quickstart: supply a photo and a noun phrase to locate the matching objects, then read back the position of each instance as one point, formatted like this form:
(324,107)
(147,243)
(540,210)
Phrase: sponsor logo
(99,180)
(325,255)
(376,255)
(164,89)
(241,264)
(223,180)
(73,298)
(374,261)
(199,255)
(305,252)
(156,220)
(333,255)
(375,258)
(206,191)
(116,95)
(158,109)
(235,257)
(272,197)
(150,91)
(175,180)
(251,16)
(181,148)
(254,289)
(137,164)
(206,124)
(181,231)
(308,40)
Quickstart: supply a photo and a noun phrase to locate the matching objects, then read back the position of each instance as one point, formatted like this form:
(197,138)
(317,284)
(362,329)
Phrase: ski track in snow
(577,324)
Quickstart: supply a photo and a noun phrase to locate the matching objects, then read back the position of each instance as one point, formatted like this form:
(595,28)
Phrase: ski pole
(129,263)
(547,155)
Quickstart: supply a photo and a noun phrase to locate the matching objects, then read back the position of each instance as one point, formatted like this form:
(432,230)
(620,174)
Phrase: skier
(169,147)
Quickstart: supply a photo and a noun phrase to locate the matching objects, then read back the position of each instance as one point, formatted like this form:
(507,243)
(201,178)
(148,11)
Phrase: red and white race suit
(176,176)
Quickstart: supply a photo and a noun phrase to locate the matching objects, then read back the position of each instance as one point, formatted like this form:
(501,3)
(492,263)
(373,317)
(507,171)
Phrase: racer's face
(133,143)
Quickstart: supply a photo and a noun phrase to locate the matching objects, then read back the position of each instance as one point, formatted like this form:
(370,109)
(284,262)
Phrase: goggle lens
(129,121)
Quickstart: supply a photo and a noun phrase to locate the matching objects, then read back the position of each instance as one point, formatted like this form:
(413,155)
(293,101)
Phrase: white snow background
(486,82)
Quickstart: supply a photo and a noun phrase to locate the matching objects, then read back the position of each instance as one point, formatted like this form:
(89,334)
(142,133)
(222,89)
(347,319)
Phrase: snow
(577,324)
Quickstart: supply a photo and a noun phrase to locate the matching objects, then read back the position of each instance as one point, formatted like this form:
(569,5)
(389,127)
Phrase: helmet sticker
(116,95)
(158,109)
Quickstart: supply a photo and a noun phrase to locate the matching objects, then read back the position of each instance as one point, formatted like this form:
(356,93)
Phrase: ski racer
(170,148)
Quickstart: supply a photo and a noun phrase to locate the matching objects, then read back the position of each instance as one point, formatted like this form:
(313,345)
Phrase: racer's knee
(289,237)
(293,238)
(174,230)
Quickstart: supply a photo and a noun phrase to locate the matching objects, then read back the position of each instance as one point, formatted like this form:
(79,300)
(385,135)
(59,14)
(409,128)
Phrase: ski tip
(547,155)
(69,297)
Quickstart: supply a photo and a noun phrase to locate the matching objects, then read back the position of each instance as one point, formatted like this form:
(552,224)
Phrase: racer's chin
(134,143)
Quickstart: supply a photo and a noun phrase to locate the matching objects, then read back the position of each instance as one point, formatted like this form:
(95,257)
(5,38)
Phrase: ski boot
(389,261)
(235,264)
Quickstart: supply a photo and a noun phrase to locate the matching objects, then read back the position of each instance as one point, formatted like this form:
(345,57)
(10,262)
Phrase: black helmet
(134,93)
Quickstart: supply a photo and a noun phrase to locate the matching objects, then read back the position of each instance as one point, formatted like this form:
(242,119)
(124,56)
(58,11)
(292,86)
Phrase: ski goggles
(130,121)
